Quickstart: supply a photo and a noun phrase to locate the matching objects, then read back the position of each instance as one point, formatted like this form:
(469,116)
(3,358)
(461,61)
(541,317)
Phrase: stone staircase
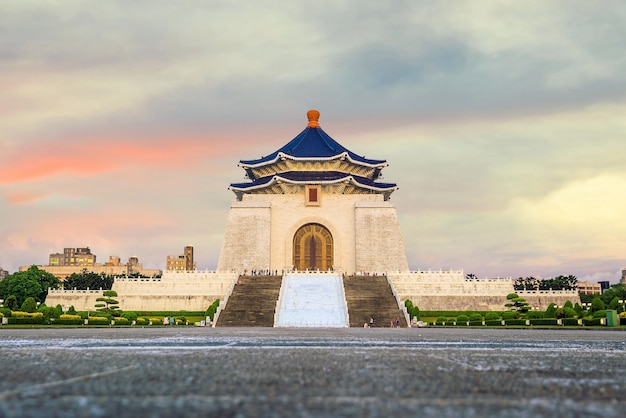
(252,302)
(371,296)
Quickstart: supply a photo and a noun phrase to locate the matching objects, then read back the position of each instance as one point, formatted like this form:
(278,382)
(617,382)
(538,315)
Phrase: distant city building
(604,285)
(3,273)
(75,260)
(588,288)
(181,262)
(73,257)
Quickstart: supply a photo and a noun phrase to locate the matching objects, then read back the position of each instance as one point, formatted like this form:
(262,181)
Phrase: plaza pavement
(244,372)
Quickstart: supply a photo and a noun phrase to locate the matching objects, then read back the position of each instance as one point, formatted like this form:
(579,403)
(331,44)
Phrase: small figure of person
(371,322)
(172,321)
(166,320)
(397,322)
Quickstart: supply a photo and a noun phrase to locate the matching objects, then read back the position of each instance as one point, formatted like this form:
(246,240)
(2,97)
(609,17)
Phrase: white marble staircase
(312,300)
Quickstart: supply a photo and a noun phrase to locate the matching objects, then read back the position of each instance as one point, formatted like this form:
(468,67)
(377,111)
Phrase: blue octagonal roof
(312,143)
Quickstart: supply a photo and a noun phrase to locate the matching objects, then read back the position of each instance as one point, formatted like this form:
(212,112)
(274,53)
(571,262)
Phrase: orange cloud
(23,197)
(85,158)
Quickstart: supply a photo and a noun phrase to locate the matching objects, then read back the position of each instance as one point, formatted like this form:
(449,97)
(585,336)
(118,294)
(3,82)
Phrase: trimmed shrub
(535,315)
(121,321)
(493,323)
(69,321)
(5,312)
(570,321)
(142,321)
(569,312)
(492,316)
(508,315)
(597,305)
(441,319)
(408,305)
(415,312)
(599,314)
(515,322)
(100,314)
(592,322)
(544,321)
(475,317)
(29,305)
(99,320)
(130,315)
(462,318)
(551,311)
(476,323)
(19,317)
(210,312)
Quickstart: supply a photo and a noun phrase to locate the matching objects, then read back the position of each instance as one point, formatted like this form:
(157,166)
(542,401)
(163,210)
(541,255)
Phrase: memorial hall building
(313,205)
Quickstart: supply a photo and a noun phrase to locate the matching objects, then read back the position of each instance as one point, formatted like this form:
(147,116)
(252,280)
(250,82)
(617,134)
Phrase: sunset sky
(504,123)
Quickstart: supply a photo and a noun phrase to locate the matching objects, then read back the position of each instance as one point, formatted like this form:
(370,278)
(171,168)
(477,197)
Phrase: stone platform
(269,372)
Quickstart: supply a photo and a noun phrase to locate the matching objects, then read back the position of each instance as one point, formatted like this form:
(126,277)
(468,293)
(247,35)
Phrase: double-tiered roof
(313,158)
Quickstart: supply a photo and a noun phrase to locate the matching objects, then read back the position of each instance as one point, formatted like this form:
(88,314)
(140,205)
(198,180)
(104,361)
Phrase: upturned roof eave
(275,179)
(251,164)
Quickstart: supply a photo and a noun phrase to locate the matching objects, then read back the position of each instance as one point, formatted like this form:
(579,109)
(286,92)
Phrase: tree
(30,283)
(108,304)
(597,305)
(29,305)
(516,303)
(21,286)
(88,280)
(11,303)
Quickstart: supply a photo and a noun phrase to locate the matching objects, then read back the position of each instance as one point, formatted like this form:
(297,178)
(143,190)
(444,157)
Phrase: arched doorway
(313,248)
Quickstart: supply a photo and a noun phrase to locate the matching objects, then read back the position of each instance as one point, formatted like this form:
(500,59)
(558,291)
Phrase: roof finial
(313,116)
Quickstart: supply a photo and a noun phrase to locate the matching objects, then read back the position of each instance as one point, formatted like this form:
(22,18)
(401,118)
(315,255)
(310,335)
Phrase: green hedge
(592,322)
(68,322)
(161,314)
(493,323)
(26,320)
(515,322)
(434,314)
(569,321)
(476,323)
(544,321)
(99,320)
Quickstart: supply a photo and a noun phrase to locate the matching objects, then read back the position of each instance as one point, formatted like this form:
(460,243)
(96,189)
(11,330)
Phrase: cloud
(117,130)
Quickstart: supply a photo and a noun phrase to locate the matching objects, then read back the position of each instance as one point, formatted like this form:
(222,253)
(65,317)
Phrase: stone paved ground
(199,372)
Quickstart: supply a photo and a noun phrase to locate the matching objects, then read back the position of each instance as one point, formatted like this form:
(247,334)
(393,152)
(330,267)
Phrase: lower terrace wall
(175,291)
(446,290)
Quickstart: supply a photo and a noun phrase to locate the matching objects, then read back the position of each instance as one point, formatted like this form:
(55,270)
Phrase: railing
(72,291)
(222,304)
(547,292)
(407,317)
